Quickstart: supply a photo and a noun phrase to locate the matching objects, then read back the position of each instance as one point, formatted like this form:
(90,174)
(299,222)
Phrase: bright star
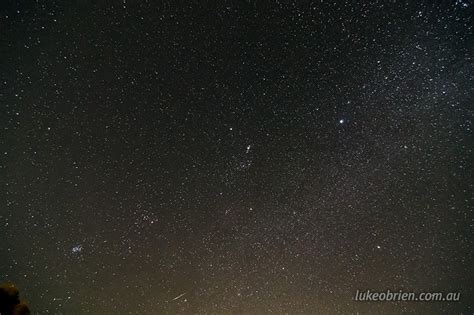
(77,249)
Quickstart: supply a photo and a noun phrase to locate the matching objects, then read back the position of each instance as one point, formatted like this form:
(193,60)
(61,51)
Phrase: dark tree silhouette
(10,303)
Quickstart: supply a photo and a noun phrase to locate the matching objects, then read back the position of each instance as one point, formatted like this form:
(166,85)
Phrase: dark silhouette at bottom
(10,303)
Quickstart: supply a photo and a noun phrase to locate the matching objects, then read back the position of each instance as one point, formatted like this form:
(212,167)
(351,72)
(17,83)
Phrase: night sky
(236,158)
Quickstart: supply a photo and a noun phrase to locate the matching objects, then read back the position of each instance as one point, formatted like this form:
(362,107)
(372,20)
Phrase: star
(77,249)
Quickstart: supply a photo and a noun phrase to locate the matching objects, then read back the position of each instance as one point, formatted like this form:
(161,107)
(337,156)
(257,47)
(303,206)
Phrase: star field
(236,158)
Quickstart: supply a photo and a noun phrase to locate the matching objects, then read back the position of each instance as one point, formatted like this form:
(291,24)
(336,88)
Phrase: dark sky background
(258,158)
